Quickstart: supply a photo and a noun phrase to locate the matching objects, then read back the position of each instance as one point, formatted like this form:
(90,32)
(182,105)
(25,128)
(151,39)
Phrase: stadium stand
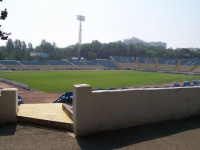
(179,66)
(11,64)
(196,68)
(187,65)
(2,67)
(37,65)
(121,59)
(81,65)
(94,65)
(167,64)
(108,64)
(147,63)
(126,63)
(61,65)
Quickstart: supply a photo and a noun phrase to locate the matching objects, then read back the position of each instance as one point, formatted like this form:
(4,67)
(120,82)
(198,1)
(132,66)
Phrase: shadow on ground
(8,129)
(130,136)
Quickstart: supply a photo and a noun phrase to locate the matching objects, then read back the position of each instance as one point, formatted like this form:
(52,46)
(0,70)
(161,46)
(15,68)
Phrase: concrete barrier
(21,85)
(96,111)
(8,105)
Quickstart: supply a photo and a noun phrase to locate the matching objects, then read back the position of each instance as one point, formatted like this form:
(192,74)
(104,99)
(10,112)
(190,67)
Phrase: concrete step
(68,109)
(47,115)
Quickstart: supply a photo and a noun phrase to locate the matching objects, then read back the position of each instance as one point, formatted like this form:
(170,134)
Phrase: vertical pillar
(8,105)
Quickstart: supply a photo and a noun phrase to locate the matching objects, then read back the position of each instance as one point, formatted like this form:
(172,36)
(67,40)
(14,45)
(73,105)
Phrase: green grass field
(62,81)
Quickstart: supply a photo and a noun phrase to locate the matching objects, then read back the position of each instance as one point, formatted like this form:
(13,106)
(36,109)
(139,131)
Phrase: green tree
(10,46)
(17,50)
(3,35)
(30,46)
(92,56)
(2,53)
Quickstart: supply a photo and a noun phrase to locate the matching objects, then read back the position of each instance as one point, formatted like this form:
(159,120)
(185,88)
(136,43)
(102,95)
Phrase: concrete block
(8,105)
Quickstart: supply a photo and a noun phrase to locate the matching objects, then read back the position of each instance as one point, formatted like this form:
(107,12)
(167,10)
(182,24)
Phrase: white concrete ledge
(8,105)
(96,111)
(21,85)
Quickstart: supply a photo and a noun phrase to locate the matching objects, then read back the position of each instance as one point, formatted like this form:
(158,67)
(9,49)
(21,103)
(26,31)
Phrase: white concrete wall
(24,86)
(96,111)
(8,105)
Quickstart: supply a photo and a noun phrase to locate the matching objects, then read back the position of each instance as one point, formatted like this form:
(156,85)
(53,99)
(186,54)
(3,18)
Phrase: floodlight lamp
(81,18)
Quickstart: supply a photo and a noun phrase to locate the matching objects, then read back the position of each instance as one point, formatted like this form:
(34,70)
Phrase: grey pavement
(183,134)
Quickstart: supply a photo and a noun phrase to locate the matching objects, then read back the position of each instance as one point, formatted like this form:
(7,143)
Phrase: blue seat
(196,82)
(69,97)
(66,98)
(124,88)
(186,83)
(176,84)
(157,87)
(68,94)
(146,87)
(111,88)
(166,86)
(98,89)
(20,101)
(59,100)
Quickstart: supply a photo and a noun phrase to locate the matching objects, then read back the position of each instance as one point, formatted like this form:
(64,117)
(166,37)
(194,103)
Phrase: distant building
(192,49)
(76,58)
(135,40)
(43,55)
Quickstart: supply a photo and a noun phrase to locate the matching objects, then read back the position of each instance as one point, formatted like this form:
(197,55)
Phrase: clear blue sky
(176,22)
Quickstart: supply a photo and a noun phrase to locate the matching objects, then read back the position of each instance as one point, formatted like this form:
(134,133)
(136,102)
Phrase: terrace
(188,64)
(36,65)
(167,64)
(107,64)
(11,64)
(122,59)
(147,63)
(124,62)
(61,65)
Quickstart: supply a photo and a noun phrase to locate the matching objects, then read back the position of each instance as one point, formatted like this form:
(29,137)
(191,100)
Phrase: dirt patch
(32,96)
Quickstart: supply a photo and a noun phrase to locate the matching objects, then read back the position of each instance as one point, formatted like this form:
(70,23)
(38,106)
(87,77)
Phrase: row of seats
(68,96)
(60,64)
(20,100)
(117,62)
(165,64)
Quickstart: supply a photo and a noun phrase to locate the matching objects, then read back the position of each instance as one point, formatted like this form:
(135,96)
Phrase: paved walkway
(183,134)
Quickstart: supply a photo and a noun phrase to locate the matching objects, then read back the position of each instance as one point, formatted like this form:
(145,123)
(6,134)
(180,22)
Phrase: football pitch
(63,81)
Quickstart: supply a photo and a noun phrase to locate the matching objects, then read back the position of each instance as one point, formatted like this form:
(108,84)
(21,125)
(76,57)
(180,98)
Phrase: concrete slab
(48,115)
(68,109)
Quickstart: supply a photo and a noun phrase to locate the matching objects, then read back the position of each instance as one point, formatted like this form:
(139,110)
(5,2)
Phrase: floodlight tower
(80,18)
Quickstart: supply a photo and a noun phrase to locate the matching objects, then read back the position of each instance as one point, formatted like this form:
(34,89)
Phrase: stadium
(40,83)
(176,65)
(78,96)
(166,89)
(128,67)
(113,94)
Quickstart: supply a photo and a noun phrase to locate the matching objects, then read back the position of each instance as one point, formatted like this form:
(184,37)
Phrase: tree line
(19,50)
(3,16)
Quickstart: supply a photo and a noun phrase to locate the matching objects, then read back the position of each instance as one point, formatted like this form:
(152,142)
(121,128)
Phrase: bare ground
(33,96)
(177,135)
